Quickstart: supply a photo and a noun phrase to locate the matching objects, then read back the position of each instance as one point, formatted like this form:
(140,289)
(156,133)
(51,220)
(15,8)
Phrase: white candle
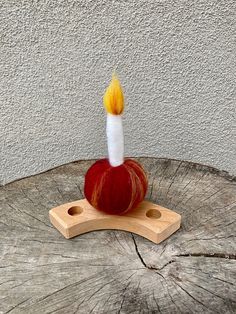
(114,104)
(115,140)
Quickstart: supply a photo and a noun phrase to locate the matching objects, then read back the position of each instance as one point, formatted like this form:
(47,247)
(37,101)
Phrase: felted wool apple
(115,185)
(115,190)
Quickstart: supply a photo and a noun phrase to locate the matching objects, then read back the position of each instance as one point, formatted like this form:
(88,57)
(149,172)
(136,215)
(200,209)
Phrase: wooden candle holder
(149,220)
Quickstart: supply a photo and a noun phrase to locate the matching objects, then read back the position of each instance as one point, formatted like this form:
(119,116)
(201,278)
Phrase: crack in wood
(138,253)
(211,255)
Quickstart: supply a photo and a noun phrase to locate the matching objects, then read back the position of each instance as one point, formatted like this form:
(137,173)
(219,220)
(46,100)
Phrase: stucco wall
(176,61)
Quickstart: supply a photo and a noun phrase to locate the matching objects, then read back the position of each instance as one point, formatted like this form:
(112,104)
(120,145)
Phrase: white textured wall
(176,61)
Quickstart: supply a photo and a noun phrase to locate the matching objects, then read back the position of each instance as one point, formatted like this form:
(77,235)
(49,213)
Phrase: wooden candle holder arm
(149,220)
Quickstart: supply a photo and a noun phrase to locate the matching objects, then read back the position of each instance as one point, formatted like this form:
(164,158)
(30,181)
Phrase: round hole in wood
(75,210)
(153,213)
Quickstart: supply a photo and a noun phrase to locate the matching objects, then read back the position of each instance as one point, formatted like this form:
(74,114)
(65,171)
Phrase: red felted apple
(115,190)
(115,185)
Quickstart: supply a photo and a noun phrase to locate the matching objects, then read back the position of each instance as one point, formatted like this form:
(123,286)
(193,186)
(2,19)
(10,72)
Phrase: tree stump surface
(193,271)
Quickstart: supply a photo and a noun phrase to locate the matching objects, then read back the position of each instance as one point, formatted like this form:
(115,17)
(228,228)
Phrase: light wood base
(149,220)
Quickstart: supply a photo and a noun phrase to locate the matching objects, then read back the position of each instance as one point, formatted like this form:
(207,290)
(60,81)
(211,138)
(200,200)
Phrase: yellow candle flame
(113,98)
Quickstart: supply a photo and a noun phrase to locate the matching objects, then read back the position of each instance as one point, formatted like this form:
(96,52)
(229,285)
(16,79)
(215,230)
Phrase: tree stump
(193,271)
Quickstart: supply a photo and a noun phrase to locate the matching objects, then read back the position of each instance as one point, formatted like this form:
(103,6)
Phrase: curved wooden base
(149,220)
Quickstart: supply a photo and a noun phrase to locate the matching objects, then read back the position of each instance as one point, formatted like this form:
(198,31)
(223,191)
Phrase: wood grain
(194,271)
